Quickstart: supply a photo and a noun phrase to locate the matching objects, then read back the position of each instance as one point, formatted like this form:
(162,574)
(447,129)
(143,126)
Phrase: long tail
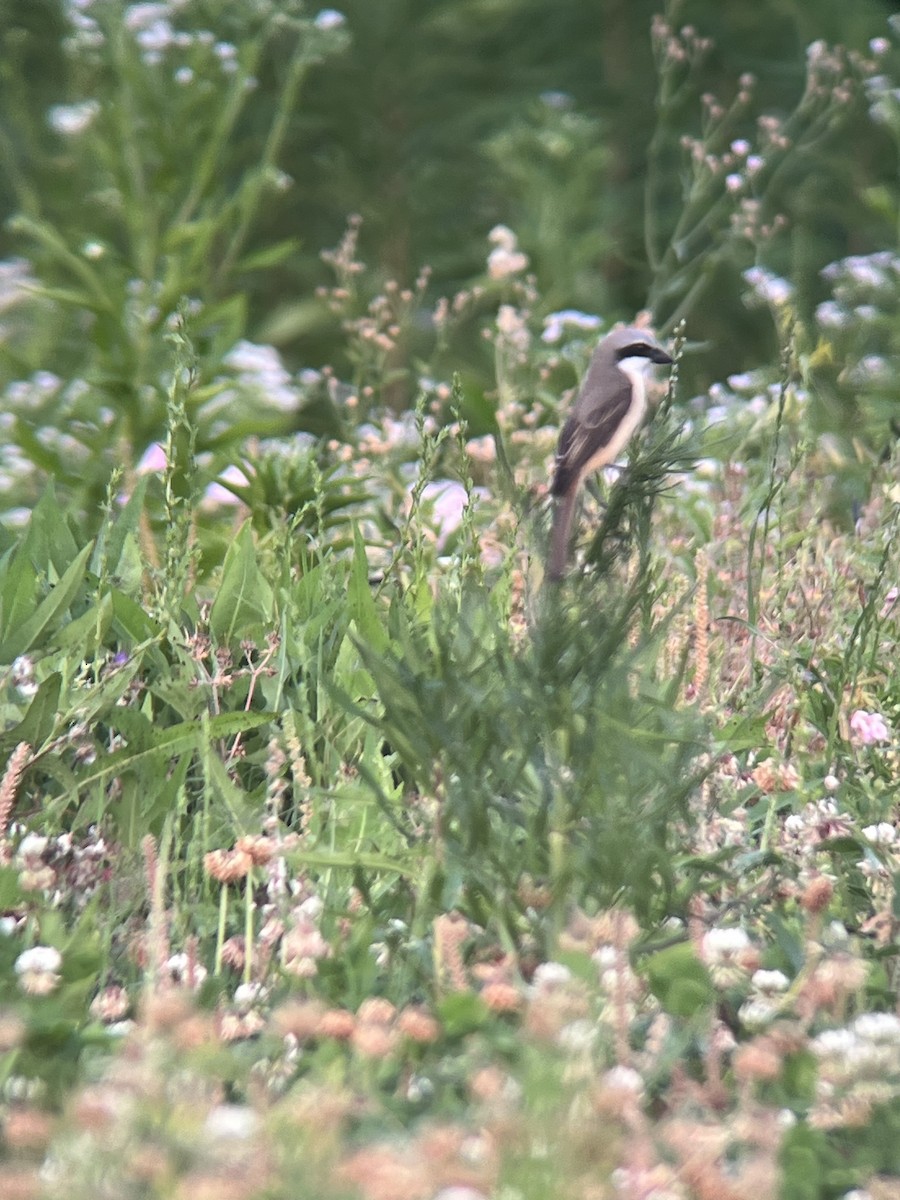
(563,512)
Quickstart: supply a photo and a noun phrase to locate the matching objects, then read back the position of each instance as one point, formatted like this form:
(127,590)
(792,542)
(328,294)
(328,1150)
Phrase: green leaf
(680,981)
(18,593)
(40,719)
(271,256)
(361,604)
(245,600)
(744,733)
(48,537)
(134,624)
(52,606)
(172,741)
(462,1013)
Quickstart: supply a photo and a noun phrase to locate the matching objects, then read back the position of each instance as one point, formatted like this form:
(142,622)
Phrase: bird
(611,404)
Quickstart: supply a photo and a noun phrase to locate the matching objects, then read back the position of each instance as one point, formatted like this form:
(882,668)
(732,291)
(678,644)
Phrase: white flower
(503,237)
(42,960)
(768,287)
(878,1027)
(830,315)
(155,38)
(31,846)
(231,1122)
(734,182)
(757,1012)
(834,1043)
(770,981)
(556,323)
(503,263)
(624,1079)
(329,18)
(882,834)
(511,326)
(550,975)
(261,368)
(721,944)
(142,16)
(71,119)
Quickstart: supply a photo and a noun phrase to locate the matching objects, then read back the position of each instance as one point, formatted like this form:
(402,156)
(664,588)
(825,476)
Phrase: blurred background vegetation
(613,139)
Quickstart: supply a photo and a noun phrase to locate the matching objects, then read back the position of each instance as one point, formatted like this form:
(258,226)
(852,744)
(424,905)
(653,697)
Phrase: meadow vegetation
(341,854)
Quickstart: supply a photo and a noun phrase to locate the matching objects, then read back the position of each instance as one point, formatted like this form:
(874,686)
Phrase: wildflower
(31,849)
(758,1059)
(377,1011)
(869,727)
(768,287)
(302,946)
(183,970)
(550,975)
(770,981)
(624,1080)
(38,970)
(336,1023)
(227,866)
(260,368)
(23,676)
(556,323)
(882,834)
(418,1025)
(817,894)
(110,1005)
(300,1019)
(142,16)
(373,1040)
(727,953)
(512,328)
(506,258)
(72,119)
(329,18)
(501,997)
(231,1122)
(831,315)
(757,1012)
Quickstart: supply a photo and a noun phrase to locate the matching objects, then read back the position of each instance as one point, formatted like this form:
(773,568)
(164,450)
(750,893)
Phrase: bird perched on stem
(611,404)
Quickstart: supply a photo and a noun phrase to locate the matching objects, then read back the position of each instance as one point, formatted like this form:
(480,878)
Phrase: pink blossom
(869,727)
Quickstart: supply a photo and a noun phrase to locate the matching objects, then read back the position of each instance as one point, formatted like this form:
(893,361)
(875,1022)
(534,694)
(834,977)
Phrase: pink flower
(869,727)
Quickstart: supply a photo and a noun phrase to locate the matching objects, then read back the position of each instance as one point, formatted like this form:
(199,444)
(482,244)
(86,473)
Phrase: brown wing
(591,426)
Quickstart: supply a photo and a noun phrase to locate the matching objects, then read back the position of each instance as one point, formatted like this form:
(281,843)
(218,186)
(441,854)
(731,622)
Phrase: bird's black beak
(660,356)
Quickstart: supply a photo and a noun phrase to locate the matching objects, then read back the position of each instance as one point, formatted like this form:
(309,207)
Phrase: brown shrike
(610,406)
